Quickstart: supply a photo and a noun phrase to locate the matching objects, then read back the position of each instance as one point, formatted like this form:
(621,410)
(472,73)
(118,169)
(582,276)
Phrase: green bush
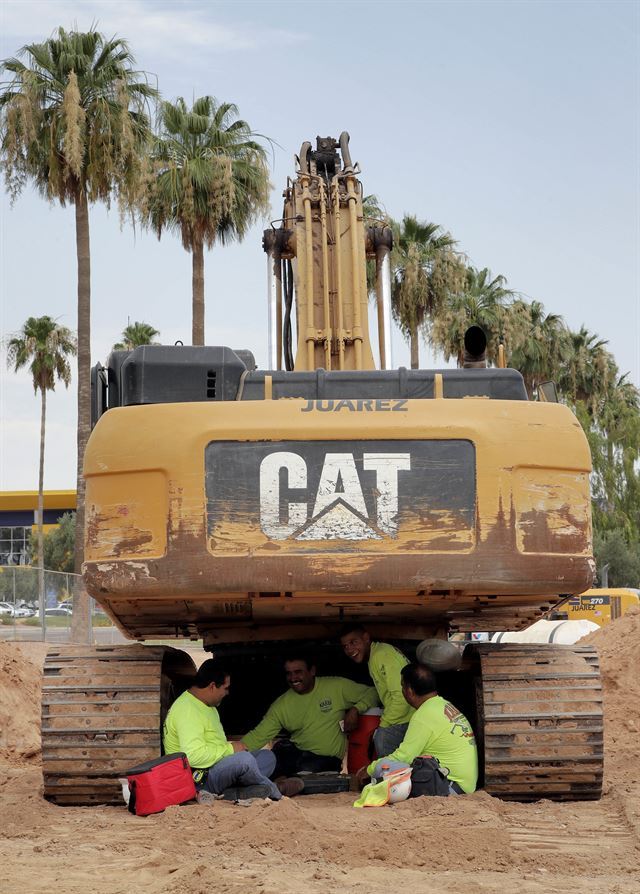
(623,558)
(59,545)
(20,582)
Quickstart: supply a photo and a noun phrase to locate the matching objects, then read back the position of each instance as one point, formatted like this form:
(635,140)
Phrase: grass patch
(101,621)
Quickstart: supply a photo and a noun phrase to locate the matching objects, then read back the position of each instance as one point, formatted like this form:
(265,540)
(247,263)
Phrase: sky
(514,125)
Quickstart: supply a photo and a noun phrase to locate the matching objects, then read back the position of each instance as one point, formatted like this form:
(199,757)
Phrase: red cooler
(360,740)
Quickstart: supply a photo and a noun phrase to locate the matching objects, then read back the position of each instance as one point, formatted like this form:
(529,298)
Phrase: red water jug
(358,753)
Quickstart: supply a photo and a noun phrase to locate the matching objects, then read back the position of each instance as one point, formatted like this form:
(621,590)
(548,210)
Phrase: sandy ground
(321,843)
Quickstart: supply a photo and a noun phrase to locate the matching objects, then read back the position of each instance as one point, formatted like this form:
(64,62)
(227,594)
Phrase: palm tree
(539,343)
(73,121)
(587,372)
(373,213)
(45,346)
(425,272)
(613,432)
(480,301)
(211,182)
(136,334)
(373,210)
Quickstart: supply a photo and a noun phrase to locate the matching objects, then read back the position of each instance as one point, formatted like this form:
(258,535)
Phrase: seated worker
(438,729)
(385,663)
(311,712)
(219,766)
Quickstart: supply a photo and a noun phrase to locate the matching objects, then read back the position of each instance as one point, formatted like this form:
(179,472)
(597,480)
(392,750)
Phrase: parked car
(58,612)
(68,604)
(23,611)
(6,608)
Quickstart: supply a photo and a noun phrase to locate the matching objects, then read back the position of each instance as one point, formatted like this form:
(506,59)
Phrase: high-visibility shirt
(438,729)
(385,664)
(312,719)
(195,728)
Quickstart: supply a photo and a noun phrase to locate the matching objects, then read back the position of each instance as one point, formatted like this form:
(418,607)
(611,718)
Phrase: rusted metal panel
(552,516)
(189,574)
(126,515)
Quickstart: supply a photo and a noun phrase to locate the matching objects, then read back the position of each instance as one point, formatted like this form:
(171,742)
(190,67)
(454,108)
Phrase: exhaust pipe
(475,349)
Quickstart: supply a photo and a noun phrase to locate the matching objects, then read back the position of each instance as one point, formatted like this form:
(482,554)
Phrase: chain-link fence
(29,613)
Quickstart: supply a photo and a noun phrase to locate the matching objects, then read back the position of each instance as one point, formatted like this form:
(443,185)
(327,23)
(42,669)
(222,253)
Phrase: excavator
(257,510)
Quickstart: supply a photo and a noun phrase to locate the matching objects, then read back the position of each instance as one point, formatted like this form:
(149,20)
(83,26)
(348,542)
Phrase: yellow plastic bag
(394,787)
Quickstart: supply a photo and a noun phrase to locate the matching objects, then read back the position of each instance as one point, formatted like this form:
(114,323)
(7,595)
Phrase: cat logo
(348,495)
(338,511)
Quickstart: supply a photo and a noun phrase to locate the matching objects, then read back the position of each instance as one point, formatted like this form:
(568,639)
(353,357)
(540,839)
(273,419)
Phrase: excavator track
(102,712)
(540,709)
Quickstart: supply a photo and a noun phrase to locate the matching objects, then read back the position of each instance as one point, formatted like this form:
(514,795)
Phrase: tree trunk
(81,621)
(197,285)
(415,348)
(41,603)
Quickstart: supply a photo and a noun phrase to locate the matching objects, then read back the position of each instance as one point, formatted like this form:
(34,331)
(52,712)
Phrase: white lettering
(386,467)
(270,494)
(339,465)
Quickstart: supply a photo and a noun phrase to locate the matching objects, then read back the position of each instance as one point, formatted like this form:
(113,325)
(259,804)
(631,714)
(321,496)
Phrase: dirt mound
(20,684)
(618,646)
(320,844)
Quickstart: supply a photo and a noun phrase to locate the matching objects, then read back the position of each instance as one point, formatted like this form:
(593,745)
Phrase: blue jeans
(291,760)
(390,766)
(386,739)
(243,768)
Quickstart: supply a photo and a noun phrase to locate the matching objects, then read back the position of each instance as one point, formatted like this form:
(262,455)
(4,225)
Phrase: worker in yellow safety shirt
(437,730)
(316,712)
(227,769)
(384,663)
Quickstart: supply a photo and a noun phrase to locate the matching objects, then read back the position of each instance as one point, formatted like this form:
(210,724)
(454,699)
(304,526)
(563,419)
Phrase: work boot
(246,792)
(290,787)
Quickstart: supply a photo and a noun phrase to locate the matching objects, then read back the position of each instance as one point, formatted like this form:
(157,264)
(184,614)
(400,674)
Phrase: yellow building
(18,519)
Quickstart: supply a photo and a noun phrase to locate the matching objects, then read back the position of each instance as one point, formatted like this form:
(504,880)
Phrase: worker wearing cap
(437,729)
(385,663)
(311,711)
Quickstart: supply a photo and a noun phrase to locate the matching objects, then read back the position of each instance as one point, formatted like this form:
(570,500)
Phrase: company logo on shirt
(460,726)
(325,705)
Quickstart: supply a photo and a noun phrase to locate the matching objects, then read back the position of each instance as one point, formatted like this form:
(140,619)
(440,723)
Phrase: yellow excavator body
(225,522)
(259,508)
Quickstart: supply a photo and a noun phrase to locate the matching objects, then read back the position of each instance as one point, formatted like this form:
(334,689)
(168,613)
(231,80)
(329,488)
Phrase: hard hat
(394,785)
(438,655)
(399,782)
(398,778)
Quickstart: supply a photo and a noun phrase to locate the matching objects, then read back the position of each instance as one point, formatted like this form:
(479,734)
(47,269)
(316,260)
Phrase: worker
(311,712)
(385,663)
(221,767)
(437,729)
